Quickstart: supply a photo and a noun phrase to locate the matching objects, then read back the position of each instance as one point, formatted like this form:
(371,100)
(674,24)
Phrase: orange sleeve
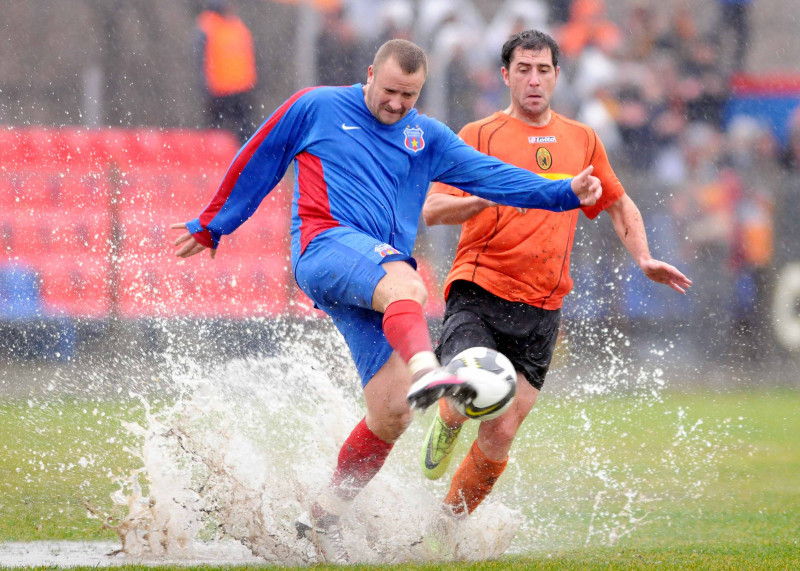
(612,187)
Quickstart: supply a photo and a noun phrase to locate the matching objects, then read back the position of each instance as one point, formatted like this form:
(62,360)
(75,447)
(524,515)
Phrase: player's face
(390,93)
(531,77)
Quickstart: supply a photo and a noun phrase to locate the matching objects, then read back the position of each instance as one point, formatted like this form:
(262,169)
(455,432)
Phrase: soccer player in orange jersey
(511,269)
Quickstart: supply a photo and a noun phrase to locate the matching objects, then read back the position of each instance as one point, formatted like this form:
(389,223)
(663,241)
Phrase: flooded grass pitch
(227,455)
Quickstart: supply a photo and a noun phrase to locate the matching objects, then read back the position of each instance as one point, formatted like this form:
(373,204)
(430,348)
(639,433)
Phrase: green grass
(735,480)
(53,457)
(724,495)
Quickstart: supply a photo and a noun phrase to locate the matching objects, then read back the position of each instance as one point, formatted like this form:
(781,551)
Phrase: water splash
(247,445)
(229,452)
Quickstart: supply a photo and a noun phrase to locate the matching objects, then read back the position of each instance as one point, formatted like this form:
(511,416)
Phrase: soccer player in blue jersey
(364,158)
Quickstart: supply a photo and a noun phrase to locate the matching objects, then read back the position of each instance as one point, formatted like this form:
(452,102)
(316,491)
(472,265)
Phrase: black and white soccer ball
(493,377)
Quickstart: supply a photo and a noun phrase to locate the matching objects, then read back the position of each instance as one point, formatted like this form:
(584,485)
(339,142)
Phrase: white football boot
(438,383)
(326,534)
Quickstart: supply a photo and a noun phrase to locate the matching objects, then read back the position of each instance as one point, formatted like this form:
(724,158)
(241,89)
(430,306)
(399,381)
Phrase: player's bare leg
(400,296)
(361,457)
(496,436)
(486,460)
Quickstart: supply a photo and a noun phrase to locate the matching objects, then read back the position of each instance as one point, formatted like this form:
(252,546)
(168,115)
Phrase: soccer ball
(492,375)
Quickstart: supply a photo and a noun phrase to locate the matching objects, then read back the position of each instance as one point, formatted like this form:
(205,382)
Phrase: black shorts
(523,333)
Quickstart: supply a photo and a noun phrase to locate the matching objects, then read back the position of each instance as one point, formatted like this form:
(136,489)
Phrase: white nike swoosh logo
(349,127)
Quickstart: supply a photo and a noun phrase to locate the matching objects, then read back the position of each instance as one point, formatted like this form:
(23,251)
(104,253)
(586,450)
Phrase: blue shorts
(339,271)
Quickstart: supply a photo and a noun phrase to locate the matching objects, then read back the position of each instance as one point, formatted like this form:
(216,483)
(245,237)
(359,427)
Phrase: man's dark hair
(532,40)
(408,55)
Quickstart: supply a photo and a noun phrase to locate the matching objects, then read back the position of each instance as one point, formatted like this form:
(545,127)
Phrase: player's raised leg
(400,296)
(340,272)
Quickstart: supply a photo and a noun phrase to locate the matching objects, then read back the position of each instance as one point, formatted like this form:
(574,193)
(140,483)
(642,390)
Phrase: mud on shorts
(476,318)
(339,271)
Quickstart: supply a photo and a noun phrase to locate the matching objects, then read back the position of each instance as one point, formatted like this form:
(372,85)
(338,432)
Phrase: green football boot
(438,448)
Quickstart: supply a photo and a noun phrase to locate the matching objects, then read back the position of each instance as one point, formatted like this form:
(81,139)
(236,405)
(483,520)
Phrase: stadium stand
(77,205)
(19,292)
(771,98)
(84,233)
(75,288)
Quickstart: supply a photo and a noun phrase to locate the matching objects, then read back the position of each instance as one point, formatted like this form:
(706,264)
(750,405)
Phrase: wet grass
(54,455)
(727,473)
(745,516)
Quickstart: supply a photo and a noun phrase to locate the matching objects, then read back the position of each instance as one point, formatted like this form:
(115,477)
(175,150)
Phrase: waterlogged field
(700,480)
(55,457)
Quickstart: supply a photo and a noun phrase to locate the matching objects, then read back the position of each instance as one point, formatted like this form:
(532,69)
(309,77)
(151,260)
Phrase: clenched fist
(587,187)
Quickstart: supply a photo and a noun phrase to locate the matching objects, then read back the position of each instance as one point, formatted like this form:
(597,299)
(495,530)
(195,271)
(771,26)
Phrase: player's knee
(418,291)
(392,423)
(502,430)
(506,434)
(411,287)
(401,419)
(400,282)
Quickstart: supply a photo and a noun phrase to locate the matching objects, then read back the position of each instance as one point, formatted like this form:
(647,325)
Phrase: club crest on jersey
(544,159)
(414,141)
(386,250)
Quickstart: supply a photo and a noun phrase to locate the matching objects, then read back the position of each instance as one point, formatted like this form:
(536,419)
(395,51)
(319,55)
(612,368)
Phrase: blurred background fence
(105,141)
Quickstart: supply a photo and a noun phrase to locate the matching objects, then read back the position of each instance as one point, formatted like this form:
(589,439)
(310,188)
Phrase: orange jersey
(230,58)
(525,257)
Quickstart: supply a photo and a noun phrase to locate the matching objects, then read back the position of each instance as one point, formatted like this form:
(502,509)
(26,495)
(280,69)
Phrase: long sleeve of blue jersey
(257,168)
(462,166)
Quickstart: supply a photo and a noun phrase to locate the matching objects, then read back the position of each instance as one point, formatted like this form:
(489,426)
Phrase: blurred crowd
(715,189)
(715,181)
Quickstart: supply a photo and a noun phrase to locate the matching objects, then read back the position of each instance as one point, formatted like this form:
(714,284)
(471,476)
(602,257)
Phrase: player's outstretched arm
(441,208)
(587,187)
(190,246)
(629,226)
(664,273)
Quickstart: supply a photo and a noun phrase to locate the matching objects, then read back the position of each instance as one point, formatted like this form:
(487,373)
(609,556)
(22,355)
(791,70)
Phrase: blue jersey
(351,170)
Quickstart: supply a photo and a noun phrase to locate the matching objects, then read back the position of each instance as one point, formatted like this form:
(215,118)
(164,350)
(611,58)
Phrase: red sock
(406,329)
(360,458)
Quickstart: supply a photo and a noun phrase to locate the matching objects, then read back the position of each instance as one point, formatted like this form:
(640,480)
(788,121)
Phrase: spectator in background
(226,53)
(588,25)
(703,87)
(397,21)
(791,154)
(734,30)
(338,51)
(752,154)
(703,207)
(513,17)
(460,90)
(634,121)
(680,33)
(559,11)
(642,32)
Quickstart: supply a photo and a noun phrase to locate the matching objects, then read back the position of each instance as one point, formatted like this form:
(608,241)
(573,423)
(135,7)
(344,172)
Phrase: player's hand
(587,187)
(664,273)
(190,245)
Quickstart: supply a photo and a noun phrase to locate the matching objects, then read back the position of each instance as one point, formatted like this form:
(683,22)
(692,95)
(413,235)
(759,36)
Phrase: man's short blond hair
(407,54)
